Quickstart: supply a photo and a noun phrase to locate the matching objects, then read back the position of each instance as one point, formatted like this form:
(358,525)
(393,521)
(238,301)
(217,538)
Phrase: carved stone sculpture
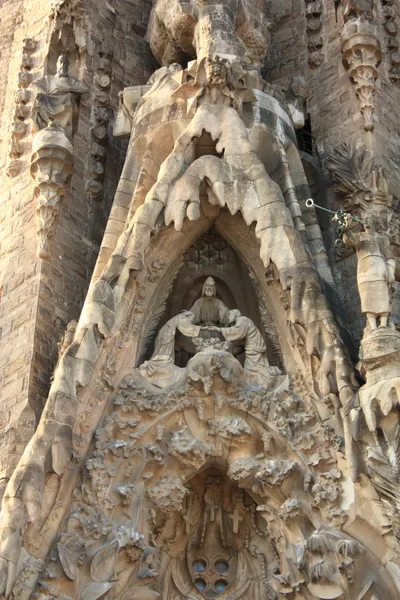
(160,370)
(362,55)
(56,97)
(209,310)
(365,195)
(375,271)
(51,168)
(243,328)
(367,198)
(149,480)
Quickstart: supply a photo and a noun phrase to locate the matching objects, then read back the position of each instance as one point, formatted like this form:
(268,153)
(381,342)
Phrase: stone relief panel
(206,501)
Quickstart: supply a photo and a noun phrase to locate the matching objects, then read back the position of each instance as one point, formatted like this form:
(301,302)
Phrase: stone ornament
(221,480)
(22,110)
(51,168)
(315,41)
(100,118)
(361,50)
(188,528)
(392,45)
(178,28)
(56,96)
(70,12)
(375,271)
(202,323)
(366,196)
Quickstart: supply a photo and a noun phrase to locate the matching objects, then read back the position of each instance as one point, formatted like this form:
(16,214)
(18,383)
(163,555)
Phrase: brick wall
(39,298)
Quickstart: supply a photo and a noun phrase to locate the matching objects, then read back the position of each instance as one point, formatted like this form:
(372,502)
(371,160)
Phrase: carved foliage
(362,184)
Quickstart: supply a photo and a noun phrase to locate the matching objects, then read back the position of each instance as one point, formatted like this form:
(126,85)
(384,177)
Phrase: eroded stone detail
(51,168)
(228,479)
(362,55)
(100,117)
(315,41)
(56,96)
(22,110)
(392,43)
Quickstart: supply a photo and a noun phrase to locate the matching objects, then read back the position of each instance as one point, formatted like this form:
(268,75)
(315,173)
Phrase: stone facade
(199,307)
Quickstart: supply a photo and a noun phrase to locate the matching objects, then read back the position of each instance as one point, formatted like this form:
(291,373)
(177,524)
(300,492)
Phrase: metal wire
(340,216)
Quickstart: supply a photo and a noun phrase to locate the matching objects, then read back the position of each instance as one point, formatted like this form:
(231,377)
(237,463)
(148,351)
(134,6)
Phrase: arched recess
(143,303)
(212,256)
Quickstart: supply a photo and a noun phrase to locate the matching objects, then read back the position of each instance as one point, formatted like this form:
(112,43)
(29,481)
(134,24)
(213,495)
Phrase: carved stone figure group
(209,318)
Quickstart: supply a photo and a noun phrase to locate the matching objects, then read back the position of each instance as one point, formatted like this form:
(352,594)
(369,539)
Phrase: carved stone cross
(188,522)
(236,519)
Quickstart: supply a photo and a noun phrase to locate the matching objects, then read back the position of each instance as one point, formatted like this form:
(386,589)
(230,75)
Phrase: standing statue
(209,310)
(375,271)
(243,328)
(56,97)
(160,370)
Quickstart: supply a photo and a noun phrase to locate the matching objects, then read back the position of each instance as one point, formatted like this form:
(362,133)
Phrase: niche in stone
(212,312)
(217,559)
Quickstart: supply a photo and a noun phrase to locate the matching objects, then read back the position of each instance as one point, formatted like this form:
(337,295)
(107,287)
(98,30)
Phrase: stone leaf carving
(104,562)
(93,591)
(68,561)
(360,182)
(187,449)
(227,428)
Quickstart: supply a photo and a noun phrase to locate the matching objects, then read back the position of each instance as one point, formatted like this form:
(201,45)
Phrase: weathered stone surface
(208,431)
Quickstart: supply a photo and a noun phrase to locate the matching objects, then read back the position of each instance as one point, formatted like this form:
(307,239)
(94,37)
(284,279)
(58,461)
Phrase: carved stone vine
(51,168)
(22,109)
(315,40)
(361,50)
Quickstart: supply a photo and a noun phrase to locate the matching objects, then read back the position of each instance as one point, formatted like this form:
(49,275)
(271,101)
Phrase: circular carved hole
(221,585)
(200,584)
(221,566)
(199,566)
